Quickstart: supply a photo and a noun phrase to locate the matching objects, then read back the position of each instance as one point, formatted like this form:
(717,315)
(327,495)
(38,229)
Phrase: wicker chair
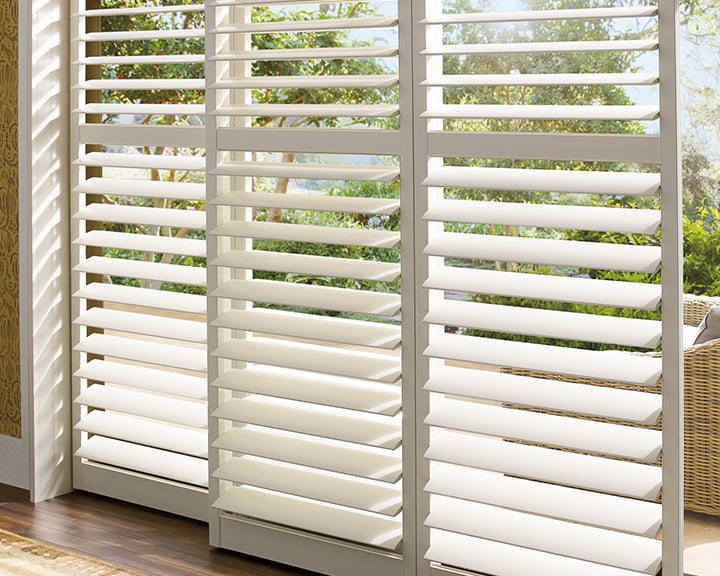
(702,411)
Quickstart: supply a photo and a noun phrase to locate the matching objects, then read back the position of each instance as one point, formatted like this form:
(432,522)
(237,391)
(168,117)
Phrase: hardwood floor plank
(150,542)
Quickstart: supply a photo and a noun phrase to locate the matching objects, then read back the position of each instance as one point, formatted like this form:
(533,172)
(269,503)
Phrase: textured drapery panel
(9,270)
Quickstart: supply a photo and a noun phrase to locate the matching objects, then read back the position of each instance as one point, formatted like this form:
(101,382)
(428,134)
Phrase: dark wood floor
(152,543)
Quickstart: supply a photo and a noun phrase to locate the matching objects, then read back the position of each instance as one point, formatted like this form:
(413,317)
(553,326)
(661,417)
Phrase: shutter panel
(138,254)
(540,451)
(304,283)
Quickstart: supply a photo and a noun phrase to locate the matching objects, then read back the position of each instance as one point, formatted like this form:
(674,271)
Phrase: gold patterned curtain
(10,423)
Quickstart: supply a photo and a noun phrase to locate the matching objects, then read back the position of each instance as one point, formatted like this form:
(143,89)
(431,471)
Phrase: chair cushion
(709,328)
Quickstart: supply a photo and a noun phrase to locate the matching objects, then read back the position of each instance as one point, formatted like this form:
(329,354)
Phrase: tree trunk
(281,187)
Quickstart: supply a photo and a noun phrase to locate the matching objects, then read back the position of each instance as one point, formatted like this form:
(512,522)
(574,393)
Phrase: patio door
(438,235)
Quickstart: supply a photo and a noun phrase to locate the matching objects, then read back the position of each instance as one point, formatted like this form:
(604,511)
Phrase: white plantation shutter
(544,458)
(138,240)
(305,372)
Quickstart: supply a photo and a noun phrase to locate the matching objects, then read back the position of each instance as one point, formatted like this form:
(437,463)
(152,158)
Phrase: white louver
(304,291)
(543,457)
(138,254)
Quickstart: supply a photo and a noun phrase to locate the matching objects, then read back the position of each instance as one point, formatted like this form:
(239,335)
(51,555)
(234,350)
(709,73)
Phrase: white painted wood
(634,221)
(547,429)
(147,188)
(150,379)
(150,324)
(607,365)
(310,296)
(367,528)
(583,506)
(333,488)
(145,432)
(176,301)
(567,468)
(311,357)
(577,182)
(587,399)
(539,15)
(194,219)
(548,323)
(600,255)
(600,79)
(314,387)
(607,547)
(141,269)
(143,243)
(304,418)
(322,203)
(314,327)
(144,404)
(311,265)
(566,289)
(340,52)
(178,467)
(325,454)
(308,25)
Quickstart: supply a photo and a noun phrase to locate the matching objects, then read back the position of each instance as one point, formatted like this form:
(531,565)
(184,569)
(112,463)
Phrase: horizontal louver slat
(308,25)
(141,10)
(335,53)
(149,109)
(309,171)
(543,47)
(143,242)
(323,389)
(309,233)
(310,296)
(526,16)
(151,325)
(566,468)
(312,483)
(311,265)
(629,220)
(627,551)
(543,287)
(146,161)
(364,527)
(607,365)
(141,269)
(141,431)
(159,59)
(133,402)
(312,110)
(144,351)
(600,401)
(310,201)
(355,332)
(143,84)
(176,301)
(322,453)
(584,435)
(499,558)
(345,81)
(548,323)
(577,182)
(143,378)
(145,35)
(544,112)
(144,459)
(146,188)
(328,422)
(605,256)
(194,219)
(576,79)
(584,506)
(324,359)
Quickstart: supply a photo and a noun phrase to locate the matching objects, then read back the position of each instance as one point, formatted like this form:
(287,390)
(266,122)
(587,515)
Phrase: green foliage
(701,243)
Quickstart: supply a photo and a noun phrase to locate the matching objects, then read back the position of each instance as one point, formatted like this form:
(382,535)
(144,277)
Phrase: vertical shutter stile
(304,286)
(138,252)
(540,449)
